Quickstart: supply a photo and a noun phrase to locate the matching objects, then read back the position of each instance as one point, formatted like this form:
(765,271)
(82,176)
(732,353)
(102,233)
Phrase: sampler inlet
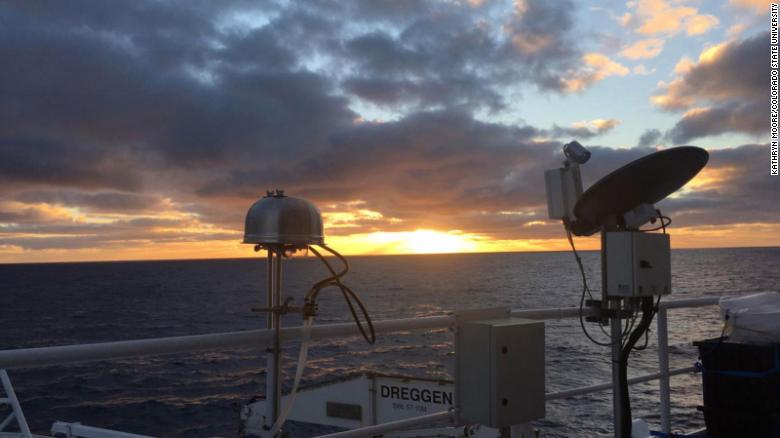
(278,219)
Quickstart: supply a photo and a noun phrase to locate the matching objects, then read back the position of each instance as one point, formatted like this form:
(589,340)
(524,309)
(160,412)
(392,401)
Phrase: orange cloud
(643,49)
(658,17)
(596,67)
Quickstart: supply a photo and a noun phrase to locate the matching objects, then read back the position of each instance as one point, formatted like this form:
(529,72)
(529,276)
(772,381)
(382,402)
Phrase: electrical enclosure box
(563,187)
(499,378)
(638,264)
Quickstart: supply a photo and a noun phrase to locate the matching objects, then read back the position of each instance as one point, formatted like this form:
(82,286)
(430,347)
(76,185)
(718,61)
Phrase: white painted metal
(7,421)
(663,369)
(370,399)
(59,355)
(27,357)
(311,404)
(259,338)
(393,425)
(607,385)
(689,302)
(500,380)
(563,187)
(19,435)
(10,396)
(638,264)
(77,430)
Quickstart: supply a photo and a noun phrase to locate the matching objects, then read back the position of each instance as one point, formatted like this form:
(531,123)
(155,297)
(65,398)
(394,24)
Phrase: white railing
(16,410)
(42,356)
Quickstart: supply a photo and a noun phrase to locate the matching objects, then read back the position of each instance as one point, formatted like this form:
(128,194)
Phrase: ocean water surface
(199,395)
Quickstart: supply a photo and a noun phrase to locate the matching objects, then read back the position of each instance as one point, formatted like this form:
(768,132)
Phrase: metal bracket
(281,310)
(604,315)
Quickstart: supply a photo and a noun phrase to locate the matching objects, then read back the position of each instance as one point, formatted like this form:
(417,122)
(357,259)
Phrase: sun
(431,242)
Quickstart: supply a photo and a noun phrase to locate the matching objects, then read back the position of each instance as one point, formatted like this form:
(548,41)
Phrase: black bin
(741,385)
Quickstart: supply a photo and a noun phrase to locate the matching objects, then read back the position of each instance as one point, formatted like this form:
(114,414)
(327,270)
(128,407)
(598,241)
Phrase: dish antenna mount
(635,262)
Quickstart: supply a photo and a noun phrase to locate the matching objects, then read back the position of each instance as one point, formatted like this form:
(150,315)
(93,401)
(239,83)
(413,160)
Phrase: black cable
(585,289)
(348,294)
(647,332)
(665,222)
(648,312)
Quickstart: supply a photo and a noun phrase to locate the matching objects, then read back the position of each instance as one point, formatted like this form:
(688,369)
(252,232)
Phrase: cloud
(659,17)
(447,54)
(757,6)
(642,70)
(649,138)
(643,49)
(724,91)
(585,129)
(684,65)
(596,67)
(149,123)
(703,122)
(102,201)
(26,160)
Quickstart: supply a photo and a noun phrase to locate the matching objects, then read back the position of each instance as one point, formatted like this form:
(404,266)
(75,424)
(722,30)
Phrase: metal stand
(273,387)
(616,332)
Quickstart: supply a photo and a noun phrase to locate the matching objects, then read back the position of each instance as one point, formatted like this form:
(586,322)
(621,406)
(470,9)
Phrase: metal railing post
(15,406)
(663,369)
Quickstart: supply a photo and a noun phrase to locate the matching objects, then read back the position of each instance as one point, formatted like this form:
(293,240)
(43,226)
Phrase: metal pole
(617,394)
(616,334)
(269,356)
(15,406)
(277,317)
(607,385)
(663,369)
(64,354)
(271,361)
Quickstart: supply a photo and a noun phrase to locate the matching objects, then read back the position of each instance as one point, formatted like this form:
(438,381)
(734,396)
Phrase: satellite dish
(643,181)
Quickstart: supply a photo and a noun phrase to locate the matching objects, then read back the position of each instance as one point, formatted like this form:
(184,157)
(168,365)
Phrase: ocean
(199,395)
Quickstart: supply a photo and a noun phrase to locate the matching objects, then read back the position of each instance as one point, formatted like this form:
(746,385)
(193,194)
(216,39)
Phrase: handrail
(58,355)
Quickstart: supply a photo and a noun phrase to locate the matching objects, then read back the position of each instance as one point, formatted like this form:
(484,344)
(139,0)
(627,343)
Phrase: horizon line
(60,262)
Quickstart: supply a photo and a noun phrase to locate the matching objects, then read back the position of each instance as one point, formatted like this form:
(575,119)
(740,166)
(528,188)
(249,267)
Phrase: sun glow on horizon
(420,241)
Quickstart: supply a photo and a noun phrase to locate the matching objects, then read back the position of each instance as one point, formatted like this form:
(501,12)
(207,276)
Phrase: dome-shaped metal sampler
(283,220)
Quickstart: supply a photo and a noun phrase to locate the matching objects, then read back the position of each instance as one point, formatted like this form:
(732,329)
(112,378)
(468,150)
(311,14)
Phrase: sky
(145,129)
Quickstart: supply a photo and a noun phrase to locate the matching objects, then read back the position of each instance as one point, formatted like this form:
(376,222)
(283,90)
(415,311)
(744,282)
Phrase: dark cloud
(430,162)
(30,161)
(649,138)
(731,117)
(164,121)
(725,91)
(584,131)
(449,55)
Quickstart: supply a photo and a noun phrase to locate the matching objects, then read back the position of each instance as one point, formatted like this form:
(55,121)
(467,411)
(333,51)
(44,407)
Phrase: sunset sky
(145,129)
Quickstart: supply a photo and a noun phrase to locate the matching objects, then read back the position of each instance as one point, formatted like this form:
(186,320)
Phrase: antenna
(647,180)
(635,263)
